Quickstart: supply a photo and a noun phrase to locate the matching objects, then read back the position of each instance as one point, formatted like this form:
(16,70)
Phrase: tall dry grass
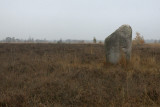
(63,75)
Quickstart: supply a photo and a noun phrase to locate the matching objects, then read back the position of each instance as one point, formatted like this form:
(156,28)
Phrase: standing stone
(119,43)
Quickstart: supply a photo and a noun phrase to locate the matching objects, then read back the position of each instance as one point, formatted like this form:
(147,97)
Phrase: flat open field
(61,75)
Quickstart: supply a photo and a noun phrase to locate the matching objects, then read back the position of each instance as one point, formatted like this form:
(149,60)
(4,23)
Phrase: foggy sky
(77,19)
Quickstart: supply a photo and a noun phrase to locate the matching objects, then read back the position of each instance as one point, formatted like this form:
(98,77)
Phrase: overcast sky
(77,19)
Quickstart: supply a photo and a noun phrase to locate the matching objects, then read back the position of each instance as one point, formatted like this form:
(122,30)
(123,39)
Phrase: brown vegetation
(138,40)
(77,75)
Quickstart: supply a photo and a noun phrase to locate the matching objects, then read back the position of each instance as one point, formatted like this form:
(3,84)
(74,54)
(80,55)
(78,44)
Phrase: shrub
(94,40)
(138,39)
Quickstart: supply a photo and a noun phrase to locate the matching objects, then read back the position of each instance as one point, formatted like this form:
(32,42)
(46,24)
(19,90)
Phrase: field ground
(62,75)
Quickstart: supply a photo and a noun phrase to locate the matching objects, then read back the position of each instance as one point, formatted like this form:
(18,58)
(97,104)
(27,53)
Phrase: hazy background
(77,19)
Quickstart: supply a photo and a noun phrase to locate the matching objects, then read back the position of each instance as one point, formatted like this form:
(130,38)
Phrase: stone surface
(119,43)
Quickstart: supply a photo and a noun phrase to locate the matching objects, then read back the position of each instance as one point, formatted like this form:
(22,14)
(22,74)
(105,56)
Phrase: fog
(77,19)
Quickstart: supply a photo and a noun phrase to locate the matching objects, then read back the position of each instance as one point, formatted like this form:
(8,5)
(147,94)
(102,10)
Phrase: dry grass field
(76,75)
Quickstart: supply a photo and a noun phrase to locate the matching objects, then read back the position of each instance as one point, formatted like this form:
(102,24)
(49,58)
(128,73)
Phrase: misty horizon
(77,20)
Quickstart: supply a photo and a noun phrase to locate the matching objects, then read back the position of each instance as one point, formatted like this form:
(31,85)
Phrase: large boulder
(119,44)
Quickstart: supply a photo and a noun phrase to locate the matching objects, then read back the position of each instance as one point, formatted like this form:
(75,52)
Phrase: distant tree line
(15,40)
(31,40)
(137,40)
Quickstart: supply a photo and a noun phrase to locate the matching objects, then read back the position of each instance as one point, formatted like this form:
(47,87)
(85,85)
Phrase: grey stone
(119,43)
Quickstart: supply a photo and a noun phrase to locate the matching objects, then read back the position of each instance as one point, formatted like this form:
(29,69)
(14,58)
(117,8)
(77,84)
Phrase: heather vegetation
(77,75)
